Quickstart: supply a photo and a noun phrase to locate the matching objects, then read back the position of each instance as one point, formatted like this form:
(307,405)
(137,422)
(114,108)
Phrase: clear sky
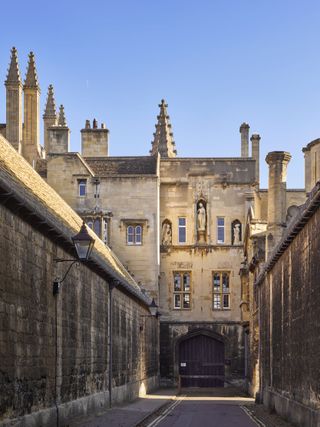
(217,63)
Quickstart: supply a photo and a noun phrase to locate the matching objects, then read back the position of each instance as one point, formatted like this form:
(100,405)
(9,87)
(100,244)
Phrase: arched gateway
(201,359)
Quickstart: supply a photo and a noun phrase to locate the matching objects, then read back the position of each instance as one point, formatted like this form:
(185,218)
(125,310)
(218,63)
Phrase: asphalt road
(196,413)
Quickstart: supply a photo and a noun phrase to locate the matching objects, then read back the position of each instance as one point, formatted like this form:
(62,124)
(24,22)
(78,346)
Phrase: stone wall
(54,350)
(29,368)
(289,302)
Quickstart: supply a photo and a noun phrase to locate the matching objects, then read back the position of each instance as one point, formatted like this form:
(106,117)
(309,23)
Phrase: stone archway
(201,359)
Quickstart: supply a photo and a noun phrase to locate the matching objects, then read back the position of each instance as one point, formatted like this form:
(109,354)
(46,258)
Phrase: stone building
(194,232)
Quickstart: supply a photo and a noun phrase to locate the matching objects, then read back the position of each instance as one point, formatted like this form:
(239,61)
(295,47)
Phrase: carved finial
(62,117)
(31,80)
(50,109)
(13,76)
(163,137)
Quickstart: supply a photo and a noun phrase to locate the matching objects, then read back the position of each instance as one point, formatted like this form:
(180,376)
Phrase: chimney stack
(277,206)
(244,131)
(255,150)
(312,164)
(94,140)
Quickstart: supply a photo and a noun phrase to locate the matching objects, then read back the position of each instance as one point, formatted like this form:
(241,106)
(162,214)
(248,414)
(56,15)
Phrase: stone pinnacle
(163,142)
(62,117)
(31,80)
(13,76)
(50,109)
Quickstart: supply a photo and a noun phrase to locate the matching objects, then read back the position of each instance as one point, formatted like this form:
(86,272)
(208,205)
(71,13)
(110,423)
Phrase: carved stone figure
(236,234)
(166,234)
(201,217)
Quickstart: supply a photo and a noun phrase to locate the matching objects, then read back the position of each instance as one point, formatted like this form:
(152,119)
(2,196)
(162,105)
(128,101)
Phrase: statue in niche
(201,220)
(236,234)
(166,235)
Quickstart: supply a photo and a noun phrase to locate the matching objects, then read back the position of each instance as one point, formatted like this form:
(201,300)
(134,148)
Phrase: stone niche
(201,220)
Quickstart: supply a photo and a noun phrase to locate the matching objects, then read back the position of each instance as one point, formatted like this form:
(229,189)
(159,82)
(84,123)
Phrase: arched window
(82,187)
(134,235)
(130,235)
(138,234)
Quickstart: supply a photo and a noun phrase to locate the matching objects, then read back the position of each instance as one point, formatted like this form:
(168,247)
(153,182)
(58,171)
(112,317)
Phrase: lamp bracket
(57,283)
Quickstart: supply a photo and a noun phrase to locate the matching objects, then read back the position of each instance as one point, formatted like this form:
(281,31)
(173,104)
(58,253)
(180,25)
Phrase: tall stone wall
(43,367)
(289,302)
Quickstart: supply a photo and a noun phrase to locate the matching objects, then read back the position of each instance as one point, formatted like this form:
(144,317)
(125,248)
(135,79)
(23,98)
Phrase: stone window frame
(221,294)
(182,227)
(129,222)
(221,227)
(82,183)
(136,236)
(182,293)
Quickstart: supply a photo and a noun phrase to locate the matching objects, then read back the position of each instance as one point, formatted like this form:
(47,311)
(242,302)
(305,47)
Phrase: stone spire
(62,118)
(31,80)
(14,103)
(163,142)
(13,76)
(31,149)
(50,109)
(49,117)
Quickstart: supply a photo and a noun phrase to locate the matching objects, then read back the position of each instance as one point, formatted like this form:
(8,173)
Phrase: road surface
(192,412)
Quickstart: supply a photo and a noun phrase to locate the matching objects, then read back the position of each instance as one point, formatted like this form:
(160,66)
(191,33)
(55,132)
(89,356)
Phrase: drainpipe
(110,341)
(112,284)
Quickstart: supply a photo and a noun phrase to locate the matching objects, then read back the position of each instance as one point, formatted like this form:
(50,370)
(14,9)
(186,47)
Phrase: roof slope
(18,177)
(110,166)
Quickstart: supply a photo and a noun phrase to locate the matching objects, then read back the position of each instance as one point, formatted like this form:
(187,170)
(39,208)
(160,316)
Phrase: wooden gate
(201,362)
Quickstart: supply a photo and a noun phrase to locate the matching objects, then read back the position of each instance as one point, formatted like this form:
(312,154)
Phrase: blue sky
(217,64)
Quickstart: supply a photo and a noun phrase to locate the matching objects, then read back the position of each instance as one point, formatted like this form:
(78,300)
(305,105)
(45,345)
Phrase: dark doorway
(201,361)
